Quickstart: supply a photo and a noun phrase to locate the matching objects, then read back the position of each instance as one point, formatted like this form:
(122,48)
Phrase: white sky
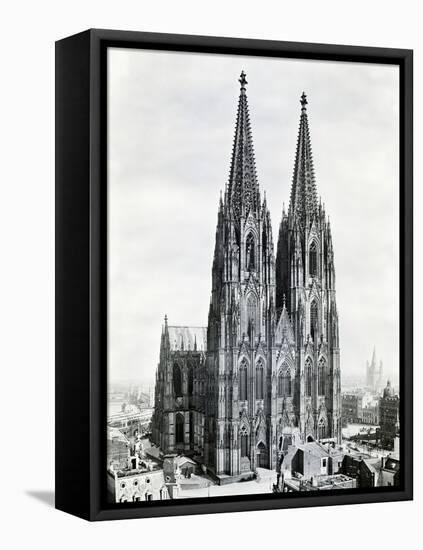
(171,127)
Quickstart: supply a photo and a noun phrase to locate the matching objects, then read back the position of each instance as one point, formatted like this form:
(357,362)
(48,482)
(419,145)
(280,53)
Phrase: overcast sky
(171,127)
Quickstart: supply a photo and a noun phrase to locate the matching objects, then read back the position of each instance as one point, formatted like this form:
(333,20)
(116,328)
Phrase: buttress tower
(241,317)
(305,285)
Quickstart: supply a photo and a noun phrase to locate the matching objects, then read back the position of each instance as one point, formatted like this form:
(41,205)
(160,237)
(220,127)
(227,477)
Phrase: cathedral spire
(373,363)
(243,189)
(303,192)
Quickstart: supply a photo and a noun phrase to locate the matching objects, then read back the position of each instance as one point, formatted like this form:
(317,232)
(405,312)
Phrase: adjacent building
(131,475)
(374,374)
(311,459)
(352,407)
(132,421)
(372,472)
(118,448)
(370,409)
(360,407)
(178,420)
(136,485)
(388,417)
(312,466)
(390,472)
(364,469)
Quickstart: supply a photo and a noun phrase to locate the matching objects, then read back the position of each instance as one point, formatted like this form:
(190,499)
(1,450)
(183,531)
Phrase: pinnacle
(243,190)
(303,192)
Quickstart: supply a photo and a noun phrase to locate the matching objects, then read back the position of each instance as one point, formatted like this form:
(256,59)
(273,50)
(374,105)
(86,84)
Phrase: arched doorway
(179,431)
(245,449)
(262,455)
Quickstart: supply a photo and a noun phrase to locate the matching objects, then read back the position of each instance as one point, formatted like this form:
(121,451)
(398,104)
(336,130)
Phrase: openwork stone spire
(304,202)
(243,189)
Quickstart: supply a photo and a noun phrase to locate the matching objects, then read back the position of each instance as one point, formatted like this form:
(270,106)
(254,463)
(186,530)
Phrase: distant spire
(374,356)
(303,190)
(243,189)
(166,329)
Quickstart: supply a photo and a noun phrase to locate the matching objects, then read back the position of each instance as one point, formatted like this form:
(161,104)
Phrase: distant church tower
(374,374)
(305,276)
(241,318)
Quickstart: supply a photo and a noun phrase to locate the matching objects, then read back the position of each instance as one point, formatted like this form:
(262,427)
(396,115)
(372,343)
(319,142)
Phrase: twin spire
(303,191)
(243,188)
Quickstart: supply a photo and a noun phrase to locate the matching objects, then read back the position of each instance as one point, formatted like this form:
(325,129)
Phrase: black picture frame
(81,274)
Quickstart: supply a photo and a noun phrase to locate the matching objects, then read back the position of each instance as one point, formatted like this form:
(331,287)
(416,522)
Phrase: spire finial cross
(303,101)
(242,80)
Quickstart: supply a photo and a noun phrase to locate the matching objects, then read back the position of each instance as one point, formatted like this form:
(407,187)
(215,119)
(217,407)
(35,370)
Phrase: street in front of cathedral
(252,402)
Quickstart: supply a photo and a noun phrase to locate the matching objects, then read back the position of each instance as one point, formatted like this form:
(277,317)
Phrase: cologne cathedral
(265,373)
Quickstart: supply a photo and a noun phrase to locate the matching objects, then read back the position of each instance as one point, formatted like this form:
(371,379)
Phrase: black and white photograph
(210,237)
(253,264)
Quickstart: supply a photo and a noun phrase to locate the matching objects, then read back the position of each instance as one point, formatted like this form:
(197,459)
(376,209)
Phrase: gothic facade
(269,374)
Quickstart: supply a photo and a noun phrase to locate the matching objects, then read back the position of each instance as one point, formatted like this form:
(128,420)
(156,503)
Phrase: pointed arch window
(250,253)
(190,380)
(244,441)
(312,259)
(280,384)
(177,380)
(287,383)
(321,376)
(308,377)
(179,431)
(313,318)
(260,380)
(251,311)
(284,383)
(322,429)
(243,381)
(264,243)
